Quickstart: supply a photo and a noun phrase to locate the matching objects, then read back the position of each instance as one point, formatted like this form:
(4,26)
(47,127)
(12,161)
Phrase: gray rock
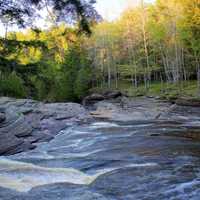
(128,109)
(2,117)
(96,97)
(112,94)
(188,102)
(26,122)
(93,98)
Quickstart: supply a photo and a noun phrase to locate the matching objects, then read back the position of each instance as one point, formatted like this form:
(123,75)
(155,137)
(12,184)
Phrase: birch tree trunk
(147,71)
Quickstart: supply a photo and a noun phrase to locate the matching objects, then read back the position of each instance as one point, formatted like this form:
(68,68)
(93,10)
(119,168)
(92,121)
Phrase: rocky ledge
(188,102)
(24,122)
(129,109)
(96,97)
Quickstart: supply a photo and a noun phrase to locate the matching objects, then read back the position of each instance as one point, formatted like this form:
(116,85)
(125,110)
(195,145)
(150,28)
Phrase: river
(107,160)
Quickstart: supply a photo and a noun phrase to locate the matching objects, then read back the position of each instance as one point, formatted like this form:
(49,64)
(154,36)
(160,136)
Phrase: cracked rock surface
(25,122)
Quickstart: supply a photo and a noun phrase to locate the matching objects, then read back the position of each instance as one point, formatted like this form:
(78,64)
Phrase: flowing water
(107,161)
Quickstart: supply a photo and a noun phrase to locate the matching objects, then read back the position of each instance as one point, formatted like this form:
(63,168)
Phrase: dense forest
(152,44)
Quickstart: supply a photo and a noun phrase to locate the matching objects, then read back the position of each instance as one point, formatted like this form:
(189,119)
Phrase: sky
(109,9)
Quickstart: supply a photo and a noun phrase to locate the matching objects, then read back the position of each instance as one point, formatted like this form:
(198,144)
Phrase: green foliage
(47,63)
(155,44)
(12,85)
(82,84)
(68,83)
(40,89)
(76,75)
(23,12)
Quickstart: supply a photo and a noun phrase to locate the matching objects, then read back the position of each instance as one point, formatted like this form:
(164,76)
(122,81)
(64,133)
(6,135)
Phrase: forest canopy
(148,44)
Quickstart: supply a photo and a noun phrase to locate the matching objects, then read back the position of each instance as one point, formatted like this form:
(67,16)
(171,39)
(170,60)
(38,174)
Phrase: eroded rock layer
(23,123)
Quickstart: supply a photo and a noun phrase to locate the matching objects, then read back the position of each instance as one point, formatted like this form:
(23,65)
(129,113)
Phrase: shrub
(82,84)
(12,85)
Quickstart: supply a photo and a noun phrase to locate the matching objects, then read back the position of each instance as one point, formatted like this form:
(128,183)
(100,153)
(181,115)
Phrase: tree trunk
(136,84)
(198,73)
(147,73)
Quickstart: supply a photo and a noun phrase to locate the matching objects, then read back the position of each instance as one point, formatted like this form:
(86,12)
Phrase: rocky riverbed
(24,122)
(116,149)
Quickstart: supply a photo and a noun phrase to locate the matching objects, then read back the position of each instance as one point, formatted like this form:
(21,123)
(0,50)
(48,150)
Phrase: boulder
(112,94)
(96,97)
(93,98)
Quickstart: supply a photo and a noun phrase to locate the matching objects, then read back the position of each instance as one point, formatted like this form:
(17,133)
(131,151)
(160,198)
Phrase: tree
(147,76)
(22,12)
(190,27)
(82,84)
(104,51)
(158,42)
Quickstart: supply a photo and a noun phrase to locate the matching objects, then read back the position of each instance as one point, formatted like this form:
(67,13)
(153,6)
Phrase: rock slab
(25,122)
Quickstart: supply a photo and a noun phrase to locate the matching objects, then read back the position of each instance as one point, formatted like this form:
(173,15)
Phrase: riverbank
(165,91)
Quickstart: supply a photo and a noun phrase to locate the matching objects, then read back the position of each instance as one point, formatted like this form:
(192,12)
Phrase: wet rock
(96,97)
(8,142)
(190,134)
(38,136)
(128,109)
(188,102)
(182,113)
(124,159)
(112,94)
(25,122)
(2,117)
(62,191)
(93,98)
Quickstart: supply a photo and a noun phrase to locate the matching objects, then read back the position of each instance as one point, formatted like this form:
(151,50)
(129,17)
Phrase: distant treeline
(158,42)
